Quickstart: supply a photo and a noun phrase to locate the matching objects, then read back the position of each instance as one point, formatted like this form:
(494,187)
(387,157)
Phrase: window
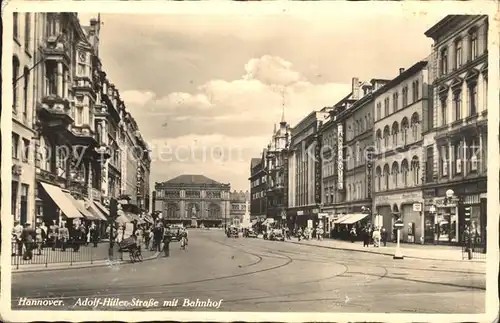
(379,112)
(15,145)
(416,91)
(473,99)
(429,164)
(378,176)
(474,48)
(394,173)
(444,113)
(387,135)
(445,157)
(457,156)
(386,177)
(27,31)
(395,102)
(415,126)
(458,53)
(443,62)
(84,66)
(415,167)
(404,130)
(50,78)
(457,101)
(26,150)
(51,25)
(386,107)
(405,97)
(15,76)
(369,123)
(474,152)
(14,188)
(25,93)
(395,132)
(404,172)
(15,27)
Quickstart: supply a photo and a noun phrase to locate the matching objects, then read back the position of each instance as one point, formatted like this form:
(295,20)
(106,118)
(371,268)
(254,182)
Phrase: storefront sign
(369,178)
(285,179)
(340,156)
(317,171)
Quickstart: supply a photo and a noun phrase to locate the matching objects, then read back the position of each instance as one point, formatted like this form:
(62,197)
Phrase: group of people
(26,239)
(152,236)
(370,235)
(308,233)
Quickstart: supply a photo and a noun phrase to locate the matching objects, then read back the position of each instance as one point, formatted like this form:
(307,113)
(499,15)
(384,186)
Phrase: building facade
(456,173)
(239,201)
(277,173)
(194,200)
(304,172)
(258,187)
(23,112)
(398,160)
(63,128)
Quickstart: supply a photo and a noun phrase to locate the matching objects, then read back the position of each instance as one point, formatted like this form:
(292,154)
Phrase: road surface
(245,274)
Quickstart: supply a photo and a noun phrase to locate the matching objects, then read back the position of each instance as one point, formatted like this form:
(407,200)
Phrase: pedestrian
(366,237)
(140,236)
(353,234)
(39,236)
(27,239)
(63,236)
(158,236)
(17,232)
(166,243)
(384,236)
(376,237)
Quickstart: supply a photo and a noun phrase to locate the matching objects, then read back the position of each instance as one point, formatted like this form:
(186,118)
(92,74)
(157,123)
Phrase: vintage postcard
(232,161)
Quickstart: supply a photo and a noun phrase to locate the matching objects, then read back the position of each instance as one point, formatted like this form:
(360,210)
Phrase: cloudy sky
(206,90)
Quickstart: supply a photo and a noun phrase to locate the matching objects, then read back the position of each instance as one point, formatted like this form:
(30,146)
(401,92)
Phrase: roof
(401,77)
(192,180)
(255,161)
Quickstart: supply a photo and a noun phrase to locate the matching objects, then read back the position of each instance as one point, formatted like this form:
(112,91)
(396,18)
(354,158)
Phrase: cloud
(136,97)
(271,70)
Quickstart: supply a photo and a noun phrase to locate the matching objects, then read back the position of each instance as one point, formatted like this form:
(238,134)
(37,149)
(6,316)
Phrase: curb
(105,263)
(383,253)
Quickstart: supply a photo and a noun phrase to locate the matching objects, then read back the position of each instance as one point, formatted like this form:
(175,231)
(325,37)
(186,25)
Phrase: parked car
(277,235)
(251,234)
(174,233)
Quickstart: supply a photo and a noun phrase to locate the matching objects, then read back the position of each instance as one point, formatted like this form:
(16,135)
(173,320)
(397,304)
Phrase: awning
(63,203)
(353,218)
(135,217)
(123,219)
(102,208)
(95,210)
(341,218)
(81,207)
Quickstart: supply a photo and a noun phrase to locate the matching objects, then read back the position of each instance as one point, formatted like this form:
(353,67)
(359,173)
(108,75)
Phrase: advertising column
(340,156)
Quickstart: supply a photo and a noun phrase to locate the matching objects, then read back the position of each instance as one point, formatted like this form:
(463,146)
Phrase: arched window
(387,135)
(386,176)
(404,172)
(404,130)
(349,191)
(415,126)
(173,211)
(214,211)
(415,167)
(44,153)
(15,76)
(354,192)
(394,174)
(395,132)
(378,176)
(379,140)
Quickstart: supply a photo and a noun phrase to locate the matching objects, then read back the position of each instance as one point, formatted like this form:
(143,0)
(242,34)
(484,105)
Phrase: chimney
(401,70)
(355,88)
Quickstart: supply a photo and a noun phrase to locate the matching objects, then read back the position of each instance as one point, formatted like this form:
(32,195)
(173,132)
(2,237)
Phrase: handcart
(130,245)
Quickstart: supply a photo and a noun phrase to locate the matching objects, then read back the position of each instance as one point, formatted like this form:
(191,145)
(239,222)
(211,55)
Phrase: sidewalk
(430,252)
(87,256)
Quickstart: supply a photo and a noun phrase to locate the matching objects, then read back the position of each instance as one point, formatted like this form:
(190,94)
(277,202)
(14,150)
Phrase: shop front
(450,210)
(405,206)
(301,217)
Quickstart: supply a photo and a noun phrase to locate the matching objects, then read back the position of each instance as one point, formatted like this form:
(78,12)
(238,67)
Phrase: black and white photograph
(264,161)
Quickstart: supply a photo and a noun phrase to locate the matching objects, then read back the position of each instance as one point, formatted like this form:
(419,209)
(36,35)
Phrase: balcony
(57,49)
(55,111)
(84,84)
(83,135)
(103,150)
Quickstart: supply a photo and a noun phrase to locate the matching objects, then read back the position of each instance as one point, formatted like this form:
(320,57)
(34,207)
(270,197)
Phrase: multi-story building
(193,200)
(71,111)
(304,171)
(455,176)
(347,138)
(399,109)
(23,166)
(239,203)
(258,187)
(276,158)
